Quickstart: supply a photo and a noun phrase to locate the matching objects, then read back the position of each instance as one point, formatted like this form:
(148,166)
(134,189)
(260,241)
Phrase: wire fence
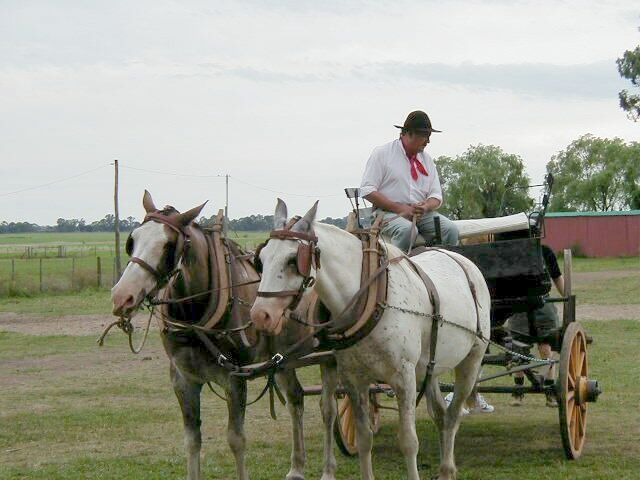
(33,270)
(32,276)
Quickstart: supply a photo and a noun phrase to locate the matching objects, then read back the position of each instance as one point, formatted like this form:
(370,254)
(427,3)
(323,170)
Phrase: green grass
(613,291)
(601,264)
(58,275)
(87,302)
(105,414)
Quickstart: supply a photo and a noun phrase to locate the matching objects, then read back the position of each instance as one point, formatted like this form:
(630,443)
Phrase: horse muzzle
(268,319)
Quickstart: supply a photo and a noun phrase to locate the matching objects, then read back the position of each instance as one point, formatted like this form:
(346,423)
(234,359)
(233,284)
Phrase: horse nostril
(260,318)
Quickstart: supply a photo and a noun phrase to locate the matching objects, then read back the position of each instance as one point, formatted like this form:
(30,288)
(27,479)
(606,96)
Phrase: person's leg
(448,229)
(398,230)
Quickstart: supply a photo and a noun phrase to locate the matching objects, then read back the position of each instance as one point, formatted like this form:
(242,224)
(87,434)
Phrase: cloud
(597,80)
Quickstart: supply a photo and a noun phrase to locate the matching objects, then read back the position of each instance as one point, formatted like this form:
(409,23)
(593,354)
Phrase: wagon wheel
(575,390)
(344,428)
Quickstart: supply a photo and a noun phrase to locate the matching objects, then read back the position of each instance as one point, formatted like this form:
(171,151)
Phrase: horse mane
(392,250)
(168,210)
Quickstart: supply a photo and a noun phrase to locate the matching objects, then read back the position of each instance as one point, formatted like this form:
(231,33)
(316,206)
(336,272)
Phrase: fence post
(13,270)
(99,272)
(41,275)
(73,272)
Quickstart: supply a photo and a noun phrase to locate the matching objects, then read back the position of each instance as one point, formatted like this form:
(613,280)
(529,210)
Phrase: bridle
(182,247)
(308,255)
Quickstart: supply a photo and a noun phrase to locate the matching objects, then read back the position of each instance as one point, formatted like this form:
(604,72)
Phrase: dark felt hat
(418,121)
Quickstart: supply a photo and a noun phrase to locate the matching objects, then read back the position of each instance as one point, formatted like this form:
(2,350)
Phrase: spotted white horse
(397,349)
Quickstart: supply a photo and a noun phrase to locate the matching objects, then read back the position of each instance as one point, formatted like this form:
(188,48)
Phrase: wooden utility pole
(117,225)
(226,202)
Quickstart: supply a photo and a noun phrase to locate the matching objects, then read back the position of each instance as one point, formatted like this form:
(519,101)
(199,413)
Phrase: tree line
(591,174)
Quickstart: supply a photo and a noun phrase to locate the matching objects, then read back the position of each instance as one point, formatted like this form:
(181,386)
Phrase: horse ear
(190,215)
(147,202)
(304,224)
(280,217)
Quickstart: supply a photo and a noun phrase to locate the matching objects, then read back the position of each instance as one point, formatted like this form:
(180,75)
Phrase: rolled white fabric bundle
(484,226)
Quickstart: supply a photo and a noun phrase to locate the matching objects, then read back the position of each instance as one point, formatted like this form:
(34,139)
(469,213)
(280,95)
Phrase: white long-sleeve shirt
(388,171)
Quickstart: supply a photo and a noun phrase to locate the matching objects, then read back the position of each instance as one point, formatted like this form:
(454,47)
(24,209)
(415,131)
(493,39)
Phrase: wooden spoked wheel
(344,429)
(572,388)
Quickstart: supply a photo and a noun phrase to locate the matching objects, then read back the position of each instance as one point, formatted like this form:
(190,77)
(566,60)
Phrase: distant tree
(19,227)
(596,174)
(338,222)
(629,68)
(483,182)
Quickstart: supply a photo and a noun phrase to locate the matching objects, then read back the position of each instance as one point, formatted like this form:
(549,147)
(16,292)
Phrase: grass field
(71,410)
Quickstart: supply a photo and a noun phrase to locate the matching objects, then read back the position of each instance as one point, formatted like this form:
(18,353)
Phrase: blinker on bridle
(308,254)
(182,247)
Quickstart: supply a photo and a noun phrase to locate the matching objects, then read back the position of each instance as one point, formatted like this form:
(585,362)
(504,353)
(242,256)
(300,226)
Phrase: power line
(53,182)
(172,174)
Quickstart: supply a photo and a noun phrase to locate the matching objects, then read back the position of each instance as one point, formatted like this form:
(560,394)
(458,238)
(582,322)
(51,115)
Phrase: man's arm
(559,283)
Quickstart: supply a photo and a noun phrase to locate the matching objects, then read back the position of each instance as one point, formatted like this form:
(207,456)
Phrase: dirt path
(95,324)
(65,325)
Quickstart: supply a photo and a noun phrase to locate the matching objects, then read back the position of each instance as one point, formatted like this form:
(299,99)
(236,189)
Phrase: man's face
(415,142)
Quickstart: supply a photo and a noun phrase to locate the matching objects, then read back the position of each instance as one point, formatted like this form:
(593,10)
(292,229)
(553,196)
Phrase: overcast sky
(287,97)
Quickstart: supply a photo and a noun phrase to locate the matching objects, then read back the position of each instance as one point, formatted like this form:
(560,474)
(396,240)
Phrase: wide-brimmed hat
(418,121)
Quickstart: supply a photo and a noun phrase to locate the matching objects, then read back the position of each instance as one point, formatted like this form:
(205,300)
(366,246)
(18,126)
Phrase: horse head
(156,248)
(289,260)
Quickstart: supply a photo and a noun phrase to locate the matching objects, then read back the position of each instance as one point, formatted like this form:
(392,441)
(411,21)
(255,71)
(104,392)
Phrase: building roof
(592,214)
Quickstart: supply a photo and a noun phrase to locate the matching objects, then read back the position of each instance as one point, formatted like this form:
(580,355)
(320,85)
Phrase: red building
(594,234)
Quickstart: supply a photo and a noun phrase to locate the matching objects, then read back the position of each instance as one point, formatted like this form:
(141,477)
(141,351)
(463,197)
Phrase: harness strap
(219,264)
(146,266)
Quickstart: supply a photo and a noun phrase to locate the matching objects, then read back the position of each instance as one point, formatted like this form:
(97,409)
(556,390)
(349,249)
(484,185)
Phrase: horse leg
(329,411)
(358,392)
(466,374)
(236,406)
(188,394)
(404,385)
(288,381)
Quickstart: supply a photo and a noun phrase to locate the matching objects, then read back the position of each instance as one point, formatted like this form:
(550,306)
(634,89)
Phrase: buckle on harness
(222,359)
(277,359)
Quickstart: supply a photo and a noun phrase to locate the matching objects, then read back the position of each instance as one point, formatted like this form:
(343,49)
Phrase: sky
(286,97)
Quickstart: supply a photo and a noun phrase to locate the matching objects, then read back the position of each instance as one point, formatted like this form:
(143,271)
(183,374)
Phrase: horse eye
(292,262)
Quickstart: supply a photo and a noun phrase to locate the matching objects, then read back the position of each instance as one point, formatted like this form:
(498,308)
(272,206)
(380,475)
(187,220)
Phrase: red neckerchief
(416,167)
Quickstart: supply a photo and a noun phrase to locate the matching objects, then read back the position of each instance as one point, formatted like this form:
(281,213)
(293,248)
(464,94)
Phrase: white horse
(397,349)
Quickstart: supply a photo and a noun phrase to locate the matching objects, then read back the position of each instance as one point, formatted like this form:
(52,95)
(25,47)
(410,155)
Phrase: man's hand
(426,206)
(406,211)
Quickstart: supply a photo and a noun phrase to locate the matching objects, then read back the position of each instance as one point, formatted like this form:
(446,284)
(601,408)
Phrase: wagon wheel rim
(345,425)
(345,428)
(572,382)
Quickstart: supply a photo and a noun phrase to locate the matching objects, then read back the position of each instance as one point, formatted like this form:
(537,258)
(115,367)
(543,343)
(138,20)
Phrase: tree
(629,68)
(596,174)
(483,182)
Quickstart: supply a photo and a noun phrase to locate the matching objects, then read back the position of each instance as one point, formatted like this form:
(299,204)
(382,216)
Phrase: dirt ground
(95,324)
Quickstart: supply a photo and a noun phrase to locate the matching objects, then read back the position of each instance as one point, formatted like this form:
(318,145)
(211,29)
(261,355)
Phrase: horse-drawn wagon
(208,337)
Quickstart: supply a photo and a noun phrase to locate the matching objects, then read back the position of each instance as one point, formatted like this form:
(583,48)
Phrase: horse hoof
(294,476)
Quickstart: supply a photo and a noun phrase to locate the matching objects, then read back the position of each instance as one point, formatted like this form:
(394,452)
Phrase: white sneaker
(482,406)
(448,399)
